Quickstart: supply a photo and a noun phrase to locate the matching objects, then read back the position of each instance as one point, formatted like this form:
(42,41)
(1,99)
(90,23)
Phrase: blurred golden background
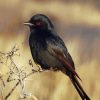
(77,22)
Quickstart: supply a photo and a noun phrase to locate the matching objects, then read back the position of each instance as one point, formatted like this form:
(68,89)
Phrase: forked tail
(79,88)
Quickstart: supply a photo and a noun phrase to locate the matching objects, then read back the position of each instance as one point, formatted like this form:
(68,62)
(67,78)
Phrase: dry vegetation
(79,24)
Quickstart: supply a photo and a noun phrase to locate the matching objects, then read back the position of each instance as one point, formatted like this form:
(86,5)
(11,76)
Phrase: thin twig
(7,96)
(15,70)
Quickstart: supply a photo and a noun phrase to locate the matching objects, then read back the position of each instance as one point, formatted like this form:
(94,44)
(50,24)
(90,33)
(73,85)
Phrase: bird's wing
(56,47)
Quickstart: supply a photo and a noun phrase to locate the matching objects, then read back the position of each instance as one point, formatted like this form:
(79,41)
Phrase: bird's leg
(54,69)
(41,69)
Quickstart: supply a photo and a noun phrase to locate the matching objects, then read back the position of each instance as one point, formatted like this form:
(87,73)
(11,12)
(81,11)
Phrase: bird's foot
(42,70)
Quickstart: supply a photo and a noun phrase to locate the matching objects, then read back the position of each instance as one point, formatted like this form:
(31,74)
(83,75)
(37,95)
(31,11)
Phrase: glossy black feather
(43,41)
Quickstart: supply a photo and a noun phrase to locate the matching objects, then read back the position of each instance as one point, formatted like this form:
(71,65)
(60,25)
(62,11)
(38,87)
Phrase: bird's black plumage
(49,51)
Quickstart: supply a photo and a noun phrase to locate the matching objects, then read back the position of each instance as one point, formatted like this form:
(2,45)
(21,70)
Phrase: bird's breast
(42,56)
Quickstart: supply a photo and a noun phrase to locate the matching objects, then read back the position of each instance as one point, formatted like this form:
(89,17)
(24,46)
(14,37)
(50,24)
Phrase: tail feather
(79,88)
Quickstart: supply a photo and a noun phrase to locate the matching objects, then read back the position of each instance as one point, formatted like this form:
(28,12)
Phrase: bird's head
(39,22)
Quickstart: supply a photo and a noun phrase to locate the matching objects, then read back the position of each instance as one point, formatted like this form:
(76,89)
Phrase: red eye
(38,23)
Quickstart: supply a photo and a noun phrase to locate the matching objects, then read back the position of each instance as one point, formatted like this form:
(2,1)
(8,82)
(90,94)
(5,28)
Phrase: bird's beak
(28,24)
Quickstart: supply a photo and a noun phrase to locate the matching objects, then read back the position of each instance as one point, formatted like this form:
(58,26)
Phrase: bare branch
(16,73)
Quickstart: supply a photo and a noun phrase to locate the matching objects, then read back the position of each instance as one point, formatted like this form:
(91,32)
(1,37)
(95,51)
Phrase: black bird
(49,51)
